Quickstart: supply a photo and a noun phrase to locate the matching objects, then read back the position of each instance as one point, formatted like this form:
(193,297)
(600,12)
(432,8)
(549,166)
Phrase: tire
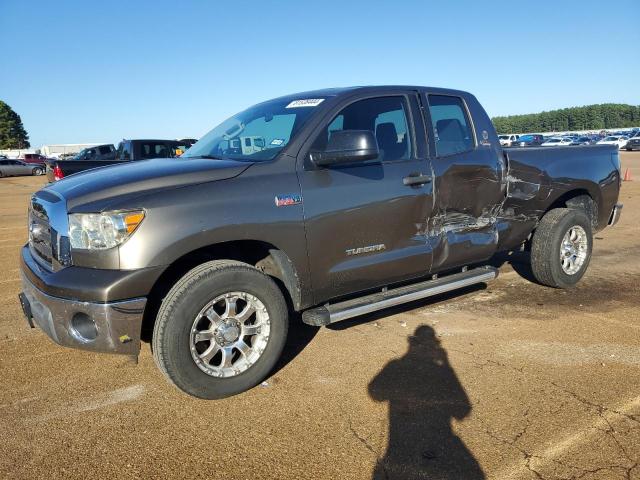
(36,171)
(548,245)
(183,358)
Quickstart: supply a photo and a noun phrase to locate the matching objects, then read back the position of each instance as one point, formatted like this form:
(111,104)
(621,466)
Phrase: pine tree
(12,132)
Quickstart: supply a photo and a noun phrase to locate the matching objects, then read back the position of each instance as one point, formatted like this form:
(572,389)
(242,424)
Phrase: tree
(590,117)
(12,132)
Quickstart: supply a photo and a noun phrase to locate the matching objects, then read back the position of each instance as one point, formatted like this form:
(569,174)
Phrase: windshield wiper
(210,157)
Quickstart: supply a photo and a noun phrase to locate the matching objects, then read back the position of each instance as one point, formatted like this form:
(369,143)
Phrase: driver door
(366,227)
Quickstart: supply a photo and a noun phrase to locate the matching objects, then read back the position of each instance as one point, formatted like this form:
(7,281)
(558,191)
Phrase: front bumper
(99,327)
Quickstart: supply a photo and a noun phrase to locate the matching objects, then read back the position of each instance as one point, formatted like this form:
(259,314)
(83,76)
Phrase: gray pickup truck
(332,203)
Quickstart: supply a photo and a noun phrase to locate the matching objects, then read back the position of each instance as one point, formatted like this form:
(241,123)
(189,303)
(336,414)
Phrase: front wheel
(220,330)
(36,171)
(561,247)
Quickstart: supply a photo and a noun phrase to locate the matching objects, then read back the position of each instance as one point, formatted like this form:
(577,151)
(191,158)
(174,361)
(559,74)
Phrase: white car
(507,140)
(557,142)
(620,141)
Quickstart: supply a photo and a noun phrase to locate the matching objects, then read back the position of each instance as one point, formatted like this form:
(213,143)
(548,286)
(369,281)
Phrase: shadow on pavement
(519,261)
(424,395)
(298,337)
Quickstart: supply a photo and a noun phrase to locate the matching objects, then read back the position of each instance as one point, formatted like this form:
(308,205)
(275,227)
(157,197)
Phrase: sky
(99,71)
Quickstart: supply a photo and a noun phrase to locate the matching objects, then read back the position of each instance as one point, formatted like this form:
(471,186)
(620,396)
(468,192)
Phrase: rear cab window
(155,150)
(452,132)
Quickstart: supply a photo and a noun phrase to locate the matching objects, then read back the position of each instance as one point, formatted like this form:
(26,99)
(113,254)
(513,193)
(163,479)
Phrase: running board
(388,298)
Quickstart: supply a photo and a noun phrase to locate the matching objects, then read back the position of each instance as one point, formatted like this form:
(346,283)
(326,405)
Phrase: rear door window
(451,126)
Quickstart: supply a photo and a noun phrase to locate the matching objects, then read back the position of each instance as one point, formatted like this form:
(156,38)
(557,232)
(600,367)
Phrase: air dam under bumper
(99,327)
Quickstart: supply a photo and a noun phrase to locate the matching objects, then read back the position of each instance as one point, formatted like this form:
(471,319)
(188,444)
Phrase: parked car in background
(620,141)
(79,162)
(582,141)
(507,140)
(633,143)
(557,142)
(531,140)
(128,151)
(34,158)
(14,168)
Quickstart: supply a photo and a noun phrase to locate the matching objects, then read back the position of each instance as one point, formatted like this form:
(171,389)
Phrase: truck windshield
(256,134)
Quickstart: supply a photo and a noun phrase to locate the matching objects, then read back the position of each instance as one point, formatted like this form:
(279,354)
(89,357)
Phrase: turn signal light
(132,221)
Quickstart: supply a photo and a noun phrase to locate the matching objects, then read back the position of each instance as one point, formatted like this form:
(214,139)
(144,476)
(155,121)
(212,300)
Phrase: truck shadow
(519,261)
(298,337)
(424,395)
(301,334)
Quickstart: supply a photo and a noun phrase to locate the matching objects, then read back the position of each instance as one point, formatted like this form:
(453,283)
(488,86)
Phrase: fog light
(83,327)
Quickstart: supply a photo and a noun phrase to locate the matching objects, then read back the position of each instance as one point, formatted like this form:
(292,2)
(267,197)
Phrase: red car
(34,158)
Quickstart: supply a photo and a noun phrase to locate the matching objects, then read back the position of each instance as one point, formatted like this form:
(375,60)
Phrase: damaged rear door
(469,180)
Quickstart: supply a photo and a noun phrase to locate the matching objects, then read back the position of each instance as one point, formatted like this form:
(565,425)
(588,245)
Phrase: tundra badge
(367,249)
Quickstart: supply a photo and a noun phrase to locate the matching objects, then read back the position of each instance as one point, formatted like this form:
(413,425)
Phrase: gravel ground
(508,381)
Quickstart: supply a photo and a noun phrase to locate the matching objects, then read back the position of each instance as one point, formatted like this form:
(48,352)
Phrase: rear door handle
(416,180)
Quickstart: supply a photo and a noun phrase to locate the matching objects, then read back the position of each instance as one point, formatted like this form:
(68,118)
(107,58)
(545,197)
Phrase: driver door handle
(416,180)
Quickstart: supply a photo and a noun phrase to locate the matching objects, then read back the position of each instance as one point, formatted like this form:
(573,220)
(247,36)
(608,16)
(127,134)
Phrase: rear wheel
(561,247)
(37,171)
(220,330)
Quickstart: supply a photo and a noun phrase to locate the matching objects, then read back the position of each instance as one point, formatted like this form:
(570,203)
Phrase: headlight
(99,231)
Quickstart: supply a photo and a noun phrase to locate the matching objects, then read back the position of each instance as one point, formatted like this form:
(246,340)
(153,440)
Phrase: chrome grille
(48,227)
(40,235)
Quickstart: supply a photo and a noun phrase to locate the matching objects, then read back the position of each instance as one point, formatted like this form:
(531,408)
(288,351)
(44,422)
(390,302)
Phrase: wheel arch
(265,256)
(579,198)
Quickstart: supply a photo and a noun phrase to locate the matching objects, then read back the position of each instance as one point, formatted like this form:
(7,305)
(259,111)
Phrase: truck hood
(139,177)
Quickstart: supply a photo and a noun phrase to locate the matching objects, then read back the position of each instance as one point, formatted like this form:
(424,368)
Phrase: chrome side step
(388,298)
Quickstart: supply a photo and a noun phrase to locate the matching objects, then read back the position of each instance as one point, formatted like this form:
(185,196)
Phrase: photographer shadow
(424,395)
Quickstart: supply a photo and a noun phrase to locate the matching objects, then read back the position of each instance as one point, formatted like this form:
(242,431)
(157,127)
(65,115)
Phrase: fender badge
(368,249)
(286,200)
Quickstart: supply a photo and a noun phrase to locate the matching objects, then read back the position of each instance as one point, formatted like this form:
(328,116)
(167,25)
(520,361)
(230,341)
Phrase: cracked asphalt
(510,380)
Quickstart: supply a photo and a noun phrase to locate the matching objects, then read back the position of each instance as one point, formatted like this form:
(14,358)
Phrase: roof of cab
(338,91)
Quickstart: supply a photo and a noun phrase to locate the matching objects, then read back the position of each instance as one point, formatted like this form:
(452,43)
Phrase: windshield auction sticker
(307,102)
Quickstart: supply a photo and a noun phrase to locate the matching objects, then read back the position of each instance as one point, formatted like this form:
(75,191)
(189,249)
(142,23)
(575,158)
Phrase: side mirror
(347,146)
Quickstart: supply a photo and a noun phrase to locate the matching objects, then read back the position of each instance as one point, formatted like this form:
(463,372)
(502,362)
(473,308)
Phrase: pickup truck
(103,155)
(354,200)
(90,157)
